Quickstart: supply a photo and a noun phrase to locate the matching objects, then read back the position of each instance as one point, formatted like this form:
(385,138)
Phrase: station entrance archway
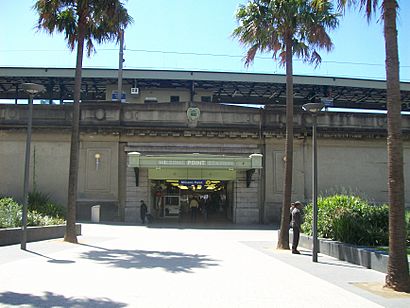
(172,199)
(174,180)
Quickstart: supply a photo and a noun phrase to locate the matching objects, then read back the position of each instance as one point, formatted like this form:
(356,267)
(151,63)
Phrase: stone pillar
(136,193)
(122,180)
(271,210)
(246,199)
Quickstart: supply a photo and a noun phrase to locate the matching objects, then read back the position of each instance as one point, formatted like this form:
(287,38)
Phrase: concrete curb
(11,236)
(363,256)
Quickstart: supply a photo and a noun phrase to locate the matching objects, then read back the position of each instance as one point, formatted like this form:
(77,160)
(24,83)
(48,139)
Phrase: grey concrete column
(268,171)
(122,180)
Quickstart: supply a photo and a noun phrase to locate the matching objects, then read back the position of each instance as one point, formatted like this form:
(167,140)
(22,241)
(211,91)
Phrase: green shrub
(349,219)
(42,203)
(10,213)
(37,219)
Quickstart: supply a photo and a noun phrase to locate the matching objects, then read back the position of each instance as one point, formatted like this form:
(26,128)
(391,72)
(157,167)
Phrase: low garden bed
(351,228)
(363,256)
(45,219)
(11,236)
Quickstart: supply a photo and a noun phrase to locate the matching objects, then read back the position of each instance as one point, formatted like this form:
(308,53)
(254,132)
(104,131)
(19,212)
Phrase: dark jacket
(143,209)
(296,218)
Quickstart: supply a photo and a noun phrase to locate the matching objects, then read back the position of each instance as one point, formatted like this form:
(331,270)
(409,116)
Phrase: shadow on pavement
(308,253)
(175,224)
(170,261)
(298,260)
(208,226)
(51,260)
(50,299)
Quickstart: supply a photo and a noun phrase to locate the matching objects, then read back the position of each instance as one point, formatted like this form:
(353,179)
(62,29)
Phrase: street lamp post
(314,109)
(31,89)
(120,64)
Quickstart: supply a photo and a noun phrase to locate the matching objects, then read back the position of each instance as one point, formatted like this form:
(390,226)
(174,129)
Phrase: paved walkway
(137,266)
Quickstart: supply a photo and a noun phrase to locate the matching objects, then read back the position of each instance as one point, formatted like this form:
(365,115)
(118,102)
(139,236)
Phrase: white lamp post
(31,89)
(314,109)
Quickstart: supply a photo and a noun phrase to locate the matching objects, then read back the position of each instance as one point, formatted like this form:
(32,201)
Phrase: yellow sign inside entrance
(186,174)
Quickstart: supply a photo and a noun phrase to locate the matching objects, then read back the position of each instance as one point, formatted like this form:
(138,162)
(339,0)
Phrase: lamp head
(32,88)
(313,108)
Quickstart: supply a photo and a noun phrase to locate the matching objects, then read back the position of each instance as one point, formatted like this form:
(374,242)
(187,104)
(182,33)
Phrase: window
(151,99)
(206,99)
(174,99)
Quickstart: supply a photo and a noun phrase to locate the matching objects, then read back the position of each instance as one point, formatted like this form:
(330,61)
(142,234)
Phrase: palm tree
(397,276)
(82,22)
(286,28)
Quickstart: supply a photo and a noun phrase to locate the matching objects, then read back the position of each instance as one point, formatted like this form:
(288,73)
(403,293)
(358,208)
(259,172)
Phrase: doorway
(171,199)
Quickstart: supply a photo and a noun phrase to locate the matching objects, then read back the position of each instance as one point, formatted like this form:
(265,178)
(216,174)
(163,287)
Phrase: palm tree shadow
(49,300)
(170,261)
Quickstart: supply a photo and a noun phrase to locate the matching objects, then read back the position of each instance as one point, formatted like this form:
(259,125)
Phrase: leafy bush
(36,219)
(41,203)
(349,219)
(11,213)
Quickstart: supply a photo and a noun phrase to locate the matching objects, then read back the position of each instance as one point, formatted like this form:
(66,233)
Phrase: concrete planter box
(363,256)
(12,236)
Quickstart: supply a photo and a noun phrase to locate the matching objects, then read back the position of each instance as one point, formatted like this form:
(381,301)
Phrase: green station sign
(194,166)
(193,161)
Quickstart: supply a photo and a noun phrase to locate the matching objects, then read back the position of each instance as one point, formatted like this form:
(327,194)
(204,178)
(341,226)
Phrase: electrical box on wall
(135,91)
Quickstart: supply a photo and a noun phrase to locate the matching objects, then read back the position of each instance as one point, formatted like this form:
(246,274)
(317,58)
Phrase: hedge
(351,219)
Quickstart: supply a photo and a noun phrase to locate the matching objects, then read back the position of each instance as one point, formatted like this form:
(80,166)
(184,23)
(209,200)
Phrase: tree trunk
(70,235)
(283,240)
(397,270)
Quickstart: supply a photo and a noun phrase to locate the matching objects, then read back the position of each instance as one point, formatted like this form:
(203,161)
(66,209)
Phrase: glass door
(171,206)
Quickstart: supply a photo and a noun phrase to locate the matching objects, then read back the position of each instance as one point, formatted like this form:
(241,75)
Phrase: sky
(196,35)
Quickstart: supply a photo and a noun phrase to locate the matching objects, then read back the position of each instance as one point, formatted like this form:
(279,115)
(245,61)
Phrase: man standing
(193,205)
(296,225)
(143,211)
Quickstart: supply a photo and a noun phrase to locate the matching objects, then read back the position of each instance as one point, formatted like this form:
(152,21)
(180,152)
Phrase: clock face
(193,113)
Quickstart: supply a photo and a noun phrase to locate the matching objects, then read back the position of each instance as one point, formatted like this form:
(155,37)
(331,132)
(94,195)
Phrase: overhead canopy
(235,88)
(194,166)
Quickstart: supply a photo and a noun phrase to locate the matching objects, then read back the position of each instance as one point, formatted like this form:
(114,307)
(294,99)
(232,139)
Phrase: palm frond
(103,19)
(369,6)
(264,26)
(250,55)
